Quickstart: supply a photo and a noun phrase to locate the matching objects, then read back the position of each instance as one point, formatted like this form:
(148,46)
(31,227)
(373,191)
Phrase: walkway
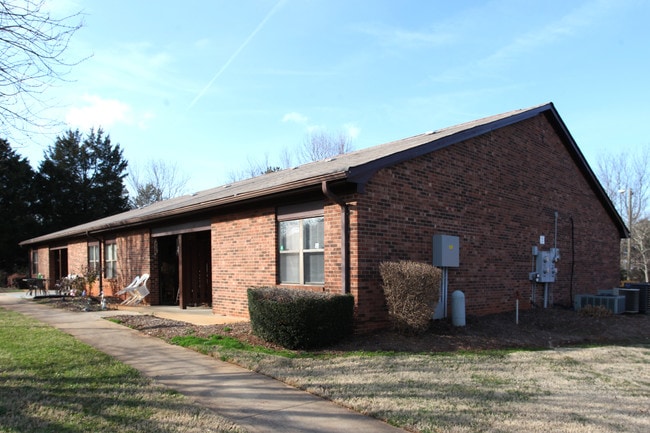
(253,401)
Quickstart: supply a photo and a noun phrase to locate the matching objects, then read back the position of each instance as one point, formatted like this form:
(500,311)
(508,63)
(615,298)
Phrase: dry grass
(603,389)
(599,389)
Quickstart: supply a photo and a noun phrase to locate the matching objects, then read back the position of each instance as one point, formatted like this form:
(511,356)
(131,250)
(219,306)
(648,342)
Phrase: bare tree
(320,144)
(625,177)
(255,167)
(641,240)
(286,158)
(161,181)
(316,146)
(32,44)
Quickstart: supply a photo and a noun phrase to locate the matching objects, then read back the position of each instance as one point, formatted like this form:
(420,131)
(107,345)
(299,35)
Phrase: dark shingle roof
(355,167)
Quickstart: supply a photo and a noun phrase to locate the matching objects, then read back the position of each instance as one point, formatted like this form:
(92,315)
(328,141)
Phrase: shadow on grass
(50,382)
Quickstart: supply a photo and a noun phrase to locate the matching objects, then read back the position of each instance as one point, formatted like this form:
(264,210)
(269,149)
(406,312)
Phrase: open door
(168,269)
(58,264)
(195,270)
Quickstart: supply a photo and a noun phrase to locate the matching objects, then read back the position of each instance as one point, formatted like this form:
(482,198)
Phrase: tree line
(625,176)
(80,179)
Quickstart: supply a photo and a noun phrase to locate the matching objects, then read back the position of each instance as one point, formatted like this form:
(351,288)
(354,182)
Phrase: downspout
(100,271)
(345,257)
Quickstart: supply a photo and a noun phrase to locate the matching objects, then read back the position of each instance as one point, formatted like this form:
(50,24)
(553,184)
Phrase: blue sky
(210,85)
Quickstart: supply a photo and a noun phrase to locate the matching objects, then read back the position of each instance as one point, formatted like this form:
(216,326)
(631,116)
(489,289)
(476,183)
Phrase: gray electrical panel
(445,251)
(545,270)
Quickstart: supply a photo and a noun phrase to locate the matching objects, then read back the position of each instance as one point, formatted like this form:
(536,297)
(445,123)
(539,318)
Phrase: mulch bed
(537,328)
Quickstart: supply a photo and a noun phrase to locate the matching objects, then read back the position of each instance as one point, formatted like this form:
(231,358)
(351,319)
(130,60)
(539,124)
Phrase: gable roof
(354,167)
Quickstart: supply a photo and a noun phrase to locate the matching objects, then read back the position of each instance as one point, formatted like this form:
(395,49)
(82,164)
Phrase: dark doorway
(195,269)
(168,269)
(59,261)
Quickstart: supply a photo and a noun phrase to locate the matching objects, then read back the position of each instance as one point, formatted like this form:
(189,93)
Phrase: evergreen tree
(80,180)
(17,222)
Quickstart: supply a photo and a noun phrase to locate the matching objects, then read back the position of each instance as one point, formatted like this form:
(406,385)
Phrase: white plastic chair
(138,293)
(130,287)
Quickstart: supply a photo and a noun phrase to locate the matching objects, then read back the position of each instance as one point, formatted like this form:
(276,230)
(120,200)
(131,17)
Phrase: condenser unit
(616,304)
(644,295)
(631,298)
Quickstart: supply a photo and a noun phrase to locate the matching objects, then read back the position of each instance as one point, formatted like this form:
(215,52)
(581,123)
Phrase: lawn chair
(138,292)
(130,288)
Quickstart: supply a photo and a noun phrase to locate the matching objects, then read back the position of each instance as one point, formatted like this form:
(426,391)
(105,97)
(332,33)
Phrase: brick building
(498,185)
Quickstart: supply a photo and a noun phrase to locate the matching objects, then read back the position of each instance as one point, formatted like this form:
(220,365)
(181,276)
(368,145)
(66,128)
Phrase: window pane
(314,268)
(289,268)
(110,261)
(313,233)
(289,235)
(34,263)
(110,270)
(93,258)
(111,252)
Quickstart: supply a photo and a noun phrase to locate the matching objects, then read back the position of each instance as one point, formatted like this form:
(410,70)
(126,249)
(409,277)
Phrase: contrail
(236,53)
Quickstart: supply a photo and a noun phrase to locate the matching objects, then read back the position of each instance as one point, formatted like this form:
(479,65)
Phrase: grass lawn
(50,382)
(583,390)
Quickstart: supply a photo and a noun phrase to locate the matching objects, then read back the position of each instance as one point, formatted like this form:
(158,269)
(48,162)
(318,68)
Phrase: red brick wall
(243,255)
(77,257)
(332,253)
(78,262)
(133,258)
(43,262)
(498,193)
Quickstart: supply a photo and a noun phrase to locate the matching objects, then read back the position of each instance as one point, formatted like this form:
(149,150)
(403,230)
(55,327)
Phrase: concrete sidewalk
(194,315)
(253,401)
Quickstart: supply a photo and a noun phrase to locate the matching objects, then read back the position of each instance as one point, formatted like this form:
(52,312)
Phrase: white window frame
(94,260)
(110,260)
(299,214)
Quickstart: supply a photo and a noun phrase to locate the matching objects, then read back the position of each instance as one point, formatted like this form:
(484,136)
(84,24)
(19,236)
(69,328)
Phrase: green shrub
(299,319)
(412,290)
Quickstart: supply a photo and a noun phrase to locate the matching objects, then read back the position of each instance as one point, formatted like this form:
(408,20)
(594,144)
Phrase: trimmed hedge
(299,319)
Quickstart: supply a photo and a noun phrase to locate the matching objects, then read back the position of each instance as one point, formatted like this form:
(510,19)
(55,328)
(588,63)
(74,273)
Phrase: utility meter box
(545,266)
(445,251)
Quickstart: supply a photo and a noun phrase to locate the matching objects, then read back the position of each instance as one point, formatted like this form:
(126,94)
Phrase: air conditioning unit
(616,304)
(644,295)
(631,298)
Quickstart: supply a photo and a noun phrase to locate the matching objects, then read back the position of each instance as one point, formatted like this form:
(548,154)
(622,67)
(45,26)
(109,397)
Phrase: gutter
(183,209)
(345,256)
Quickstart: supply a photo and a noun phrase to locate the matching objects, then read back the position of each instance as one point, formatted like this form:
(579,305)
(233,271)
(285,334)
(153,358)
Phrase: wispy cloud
(395,36)
(137,68)
(236,53)
(96,112)
(93,111)
(528,43)
(295,118)
(352,130)
(554,31)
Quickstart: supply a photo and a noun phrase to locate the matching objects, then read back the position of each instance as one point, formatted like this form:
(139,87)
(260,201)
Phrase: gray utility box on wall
(445,251)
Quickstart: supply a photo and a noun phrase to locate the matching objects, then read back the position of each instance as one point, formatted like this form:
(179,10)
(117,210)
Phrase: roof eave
(249,197)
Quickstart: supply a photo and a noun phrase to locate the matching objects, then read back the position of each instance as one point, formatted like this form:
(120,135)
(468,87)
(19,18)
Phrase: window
(302,259)
(110,260)
(93,258)
(34,263)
